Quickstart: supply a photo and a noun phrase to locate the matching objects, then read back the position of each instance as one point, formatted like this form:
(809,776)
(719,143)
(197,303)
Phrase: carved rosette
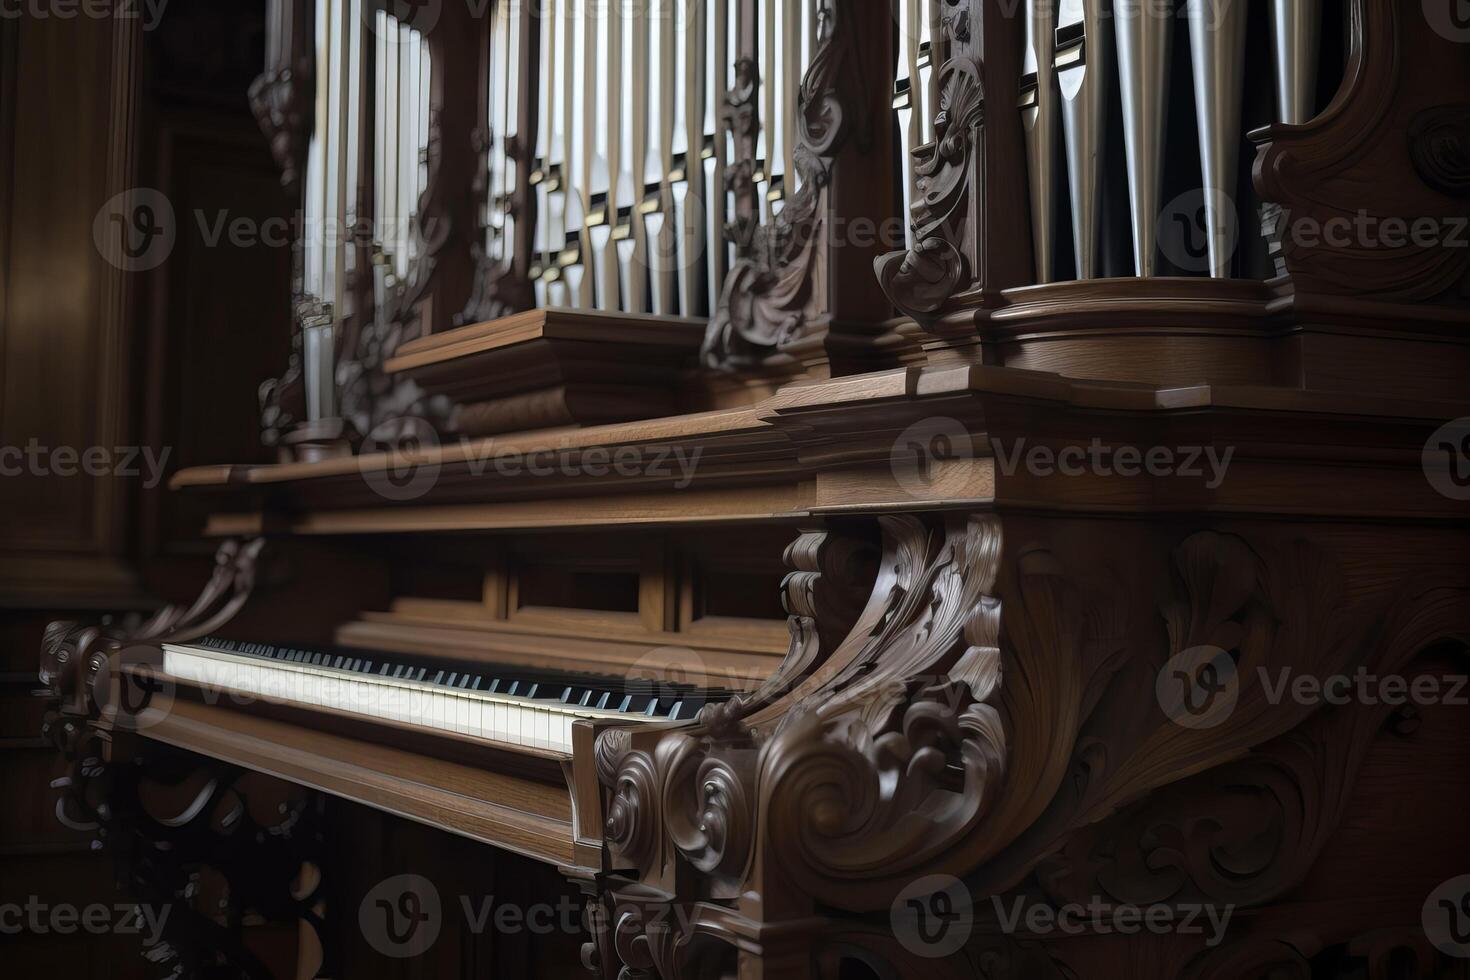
(632,823)
(770,301)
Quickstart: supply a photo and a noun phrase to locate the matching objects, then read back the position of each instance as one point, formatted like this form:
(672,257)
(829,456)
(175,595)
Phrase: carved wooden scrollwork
(894,755)
(75,657)
(904,751)
(968,231)
(771,298)
(202,845)
(1246,832)
(921,280)
(370,398)
(210,842)
(642,933)
(697,787)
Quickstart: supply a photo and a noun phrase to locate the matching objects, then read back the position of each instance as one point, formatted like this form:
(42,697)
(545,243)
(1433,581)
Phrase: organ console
(785,472)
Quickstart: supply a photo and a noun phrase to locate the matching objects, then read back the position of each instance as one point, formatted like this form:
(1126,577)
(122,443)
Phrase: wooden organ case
(1004,423)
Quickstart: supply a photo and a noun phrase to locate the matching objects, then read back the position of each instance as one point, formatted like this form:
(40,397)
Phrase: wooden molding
(553,368)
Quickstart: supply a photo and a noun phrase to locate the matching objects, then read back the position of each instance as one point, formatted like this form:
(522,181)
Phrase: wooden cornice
(834,447)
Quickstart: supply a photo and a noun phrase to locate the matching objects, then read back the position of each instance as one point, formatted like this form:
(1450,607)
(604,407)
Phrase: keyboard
(516,705)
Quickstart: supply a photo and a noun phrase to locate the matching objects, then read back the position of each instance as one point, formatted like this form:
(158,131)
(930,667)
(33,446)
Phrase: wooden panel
(473,883)
(492,807)
(63,326)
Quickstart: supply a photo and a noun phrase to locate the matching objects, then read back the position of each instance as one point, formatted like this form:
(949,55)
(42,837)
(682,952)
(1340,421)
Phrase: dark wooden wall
(95,356)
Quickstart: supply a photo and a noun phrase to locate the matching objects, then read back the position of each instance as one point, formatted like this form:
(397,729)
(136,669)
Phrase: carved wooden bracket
(211,842)
(968,223)
(997,713)
(202,845)
(502,285)
(777,303)
(77,659)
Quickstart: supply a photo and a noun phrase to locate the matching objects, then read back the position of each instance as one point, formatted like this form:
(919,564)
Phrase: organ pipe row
(631,153)
(1078,49)
(357,46)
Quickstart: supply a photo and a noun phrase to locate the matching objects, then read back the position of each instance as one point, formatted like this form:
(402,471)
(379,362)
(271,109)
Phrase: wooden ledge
(510,797)
(828,447)
(1173,331)
(554,368)
(596,327)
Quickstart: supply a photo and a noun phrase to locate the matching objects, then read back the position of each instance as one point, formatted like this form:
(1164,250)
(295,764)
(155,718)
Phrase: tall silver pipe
(1217,46)
(1296,36)
(320,377)
(1041,116)
(1145,30)
(1082,59)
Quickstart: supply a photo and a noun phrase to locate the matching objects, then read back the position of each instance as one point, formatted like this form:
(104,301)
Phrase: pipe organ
(947,402)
